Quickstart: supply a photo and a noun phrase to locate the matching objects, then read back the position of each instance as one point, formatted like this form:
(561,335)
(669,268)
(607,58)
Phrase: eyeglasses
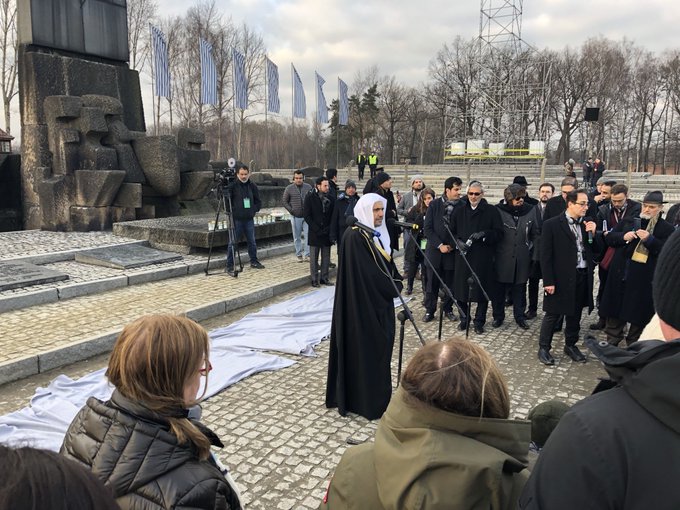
(518,199)
(582,204)
(473,194)
(206,369)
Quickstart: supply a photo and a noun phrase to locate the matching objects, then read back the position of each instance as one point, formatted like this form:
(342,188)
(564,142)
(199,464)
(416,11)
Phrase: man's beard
(544,199)
(646,216)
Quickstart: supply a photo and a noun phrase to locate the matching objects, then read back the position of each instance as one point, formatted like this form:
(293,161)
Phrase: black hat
(521,180)
(382,177)
(350,184)
(653,197)
(666,284)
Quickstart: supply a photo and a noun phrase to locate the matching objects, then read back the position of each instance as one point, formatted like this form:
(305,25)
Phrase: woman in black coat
(416,216)
(146,442)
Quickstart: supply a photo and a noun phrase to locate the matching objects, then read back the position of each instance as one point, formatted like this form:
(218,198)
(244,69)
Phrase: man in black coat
(522,181)
(440,248)
(627,296)
(343,208)
(567,266)
(545,193)
(619,447)
(557,204)
(609,214)
(478,224)
(245,203)
(318,213)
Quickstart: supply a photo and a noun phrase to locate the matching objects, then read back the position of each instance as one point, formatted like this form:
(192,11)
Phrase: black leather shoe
(598,325)
(332,265)
(451,316)
(531,314)
(497,323)
(256,265)
(574,353)
(522,324)
(326,282)
(545,357)
(479,329)
(462,326)
(428,317)
(409,291)
(315,284)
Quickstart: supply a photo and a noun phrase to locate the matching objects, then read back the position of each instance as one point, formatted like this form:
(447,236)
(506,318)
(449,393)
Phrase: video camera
(227,175)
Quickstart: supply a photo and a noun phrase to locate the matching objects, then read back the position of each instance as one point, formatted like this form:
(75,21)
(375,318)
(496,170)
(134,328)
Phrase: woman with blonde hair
(444,442)
(144,443)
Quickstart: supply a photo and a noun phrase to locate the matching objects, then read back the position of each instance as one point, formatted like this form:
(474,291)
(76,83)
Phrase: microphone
(402,224)
(590,234)
(352,221)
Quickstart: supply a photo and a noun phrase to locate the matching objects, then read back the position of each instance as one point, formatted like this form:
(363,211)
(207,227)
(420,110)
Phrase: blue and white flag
(343,103)
(273,104)
(160,63)
(208,74)
(299,104)
(240,82)
(321,106)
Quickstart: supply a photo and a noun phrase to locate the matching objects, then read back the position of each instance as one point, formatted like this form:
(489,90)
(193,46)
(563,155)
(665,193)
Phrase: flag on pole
(160,63)
(321,106)
(208,74)
(343,103)
(299,104)
(240,82)
(273,104)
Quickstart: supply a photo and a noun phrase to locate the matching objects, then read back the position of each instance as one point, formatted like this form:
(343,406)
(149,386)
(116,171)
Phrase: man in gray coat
(294,200)
(408,200)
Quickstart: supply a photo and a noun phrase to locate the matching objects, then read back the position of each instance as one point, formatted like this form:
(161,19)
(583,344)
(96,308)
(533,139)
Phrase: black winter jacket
(241,194)
(132,451)
(619,448)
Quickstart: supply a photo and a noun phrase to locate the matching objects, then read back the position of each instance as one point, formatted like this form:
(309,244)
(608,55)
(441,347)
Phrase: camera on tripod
(227,175)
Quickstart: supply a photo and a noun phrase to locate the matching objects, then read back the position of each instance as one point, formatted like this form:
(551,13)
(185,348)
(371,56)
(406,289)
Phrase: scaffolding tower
(510,89)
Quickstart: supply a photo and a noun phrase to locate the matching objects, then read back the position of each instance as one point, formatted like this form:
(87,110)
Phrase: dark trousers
(242,227)
(325,252)
(518,293)
(373,169)
(361,171)
(615,327)
(480,311)
(573,322)
(533,285)
(432,290)
(413,269)
(603,281)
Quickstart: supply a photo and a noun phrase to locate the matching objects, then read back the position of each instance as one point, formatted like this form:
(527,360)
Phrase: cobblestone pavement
(282,444)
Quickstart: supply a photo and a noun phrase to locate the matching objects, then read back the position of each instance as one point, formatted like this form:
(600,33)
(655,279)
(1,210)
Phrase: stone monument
(86,159)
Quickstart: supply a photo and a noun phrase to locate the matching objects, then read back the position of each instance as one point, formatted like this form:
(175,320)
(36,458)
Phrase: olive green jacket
(426,458)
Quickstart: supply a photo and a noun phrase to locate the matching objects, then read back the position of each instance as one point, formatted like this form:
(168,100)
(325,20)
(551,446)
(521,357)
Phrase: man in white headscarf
(362,333)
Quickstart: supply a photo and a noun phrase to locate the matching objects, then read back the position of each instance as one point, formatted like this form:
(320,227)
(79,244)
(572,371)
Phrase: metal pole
(266,107)
(292,117)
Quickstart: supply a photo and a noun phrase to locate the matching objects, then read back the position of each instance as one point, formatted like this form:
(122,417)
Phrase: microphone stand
(472,279)
(446,289)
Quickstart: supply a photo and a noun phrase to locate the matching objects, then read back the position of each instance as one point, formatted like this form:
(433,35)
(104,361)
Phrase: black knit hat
(382,177)
(666,284)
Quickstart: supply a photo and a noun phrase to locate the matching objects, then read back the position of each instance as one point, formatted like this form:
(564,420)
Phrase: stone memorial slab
(125,256)
(14,275)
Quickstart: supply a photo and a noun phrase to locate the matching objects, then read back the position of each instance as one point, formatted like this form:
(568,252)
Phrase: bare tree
(8,72)
(139,14)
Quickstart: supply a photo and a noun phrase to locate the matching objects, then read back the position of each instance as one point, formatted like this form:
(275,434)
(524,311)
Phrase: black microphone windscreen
(351,221)
(390,222)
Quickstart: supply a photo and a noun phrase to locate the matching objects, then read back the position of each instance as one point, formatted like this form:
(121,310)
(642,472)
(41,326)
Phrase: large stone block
(117,132)
(97,157)
(107,104)
(129,195)
(97,188)
(65,147)
(120,214)
(130,94)
(86,219)
(92,122)
(193,160)
(40,76)
(189,138)
(195,185)
(56,196)
(127,160)
(158,157)
(87,77)
(62,107)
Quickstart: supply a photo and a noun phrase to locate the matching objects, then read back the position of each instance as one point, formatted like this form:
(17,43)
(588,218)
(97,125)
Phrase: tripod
(224,206)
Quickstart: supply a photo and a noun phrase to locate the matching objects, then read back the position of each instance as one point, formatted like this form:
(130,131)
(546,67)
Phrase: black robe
(362,332)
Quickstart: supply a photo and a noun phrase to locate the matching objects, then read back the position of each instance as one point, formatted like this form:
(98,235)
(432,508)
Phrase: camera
(227,175)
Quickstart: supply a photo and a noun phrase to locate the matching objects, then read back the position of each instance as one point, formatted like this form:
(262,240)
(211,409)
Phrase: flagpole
(266,107)
(317,123)
(292,118)
(337,132)
(233,106)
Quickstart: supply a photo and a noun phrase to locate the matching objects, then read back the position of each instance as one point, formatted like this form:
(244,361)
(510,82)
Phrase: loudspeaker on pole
(592,114)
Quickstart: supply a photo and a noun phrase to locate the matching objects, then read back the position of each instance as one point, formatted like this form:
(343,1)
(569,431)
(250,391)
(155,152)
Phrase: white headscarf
(363,210)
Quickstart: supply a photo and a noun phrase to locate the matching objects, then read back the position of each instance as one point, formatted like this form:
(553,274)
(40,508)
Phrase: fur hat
(382,177)
(666,284)
(544,418)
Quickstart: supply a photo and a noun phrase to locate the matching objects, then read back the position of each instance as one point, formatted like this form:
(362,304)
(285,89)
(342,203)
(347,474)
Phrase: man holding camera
(245,202)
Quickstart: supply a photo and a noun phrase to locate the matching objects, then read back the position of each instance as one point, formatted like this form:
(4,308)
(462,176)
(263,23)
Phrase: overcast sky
(339,38)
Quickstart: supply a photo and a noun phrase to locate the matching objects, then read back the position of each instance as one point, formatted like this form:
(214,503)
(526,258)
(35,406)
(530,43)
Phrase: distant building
(5,142)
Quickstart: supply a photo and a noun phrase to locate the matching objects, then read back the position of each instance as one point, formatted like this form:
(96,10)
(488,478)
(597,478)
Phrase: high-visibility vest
(372,159)
(361,158)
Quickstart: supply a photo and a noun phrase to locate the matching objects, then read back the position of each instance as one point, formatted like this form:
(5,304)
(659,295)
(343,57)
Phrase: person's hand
(591,226)
(642,234)
(549,289)
(629,236)
(598,198)
(478,235)
(445,248)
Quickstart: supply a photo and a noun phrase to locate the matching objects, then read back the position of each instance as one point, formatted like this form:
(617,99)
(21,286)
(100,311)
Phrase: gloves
(478,235)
